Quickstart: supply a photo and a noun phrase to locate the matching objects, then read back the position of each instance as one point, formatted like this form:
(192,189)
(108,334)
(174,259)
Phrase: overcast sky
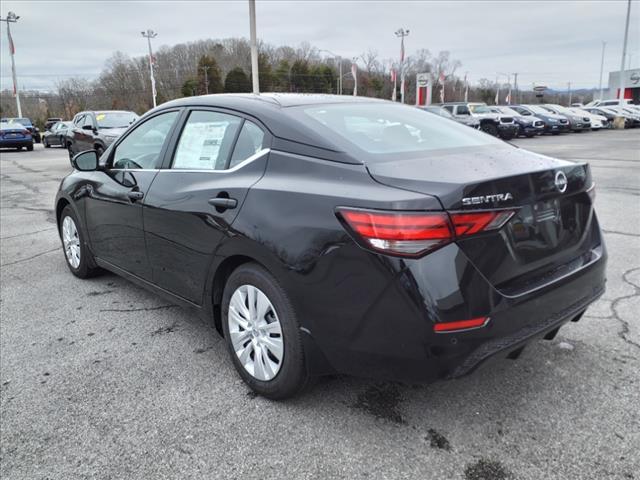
(547,42)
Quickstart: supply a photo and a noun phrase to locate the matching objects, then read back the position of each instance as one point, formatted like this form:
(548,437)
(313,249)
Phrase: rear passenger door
(216,157)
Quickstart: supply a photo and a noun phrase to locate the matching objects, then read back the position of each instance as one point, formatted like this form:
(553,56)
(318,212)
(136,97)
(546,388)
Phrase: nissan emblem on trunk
(561,182)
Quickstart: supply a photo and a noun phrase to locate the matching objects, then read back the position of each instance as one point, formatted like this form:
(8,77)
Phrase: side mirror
(85,161)
(88,127)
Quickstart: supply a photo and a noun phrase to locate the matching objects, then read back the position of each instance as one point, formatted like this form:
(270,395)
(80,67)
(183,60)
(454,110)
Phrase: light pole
(339,59)
(149,34)
(254,47)
(401,33)
(624,52)
(13,18)
(604,44)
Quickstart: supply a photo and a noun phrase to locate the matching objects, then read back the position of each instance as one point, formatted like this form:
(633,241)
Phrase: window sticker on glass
(205,141)
(100,116)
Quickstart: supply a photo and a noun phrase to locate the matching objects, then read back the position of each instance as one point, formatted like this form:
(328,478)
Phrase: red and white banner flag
(394,79)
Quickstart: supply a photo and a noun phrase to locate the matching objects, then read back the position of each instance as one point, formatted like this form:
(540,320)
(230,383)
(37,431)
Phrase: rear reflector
(416,233)
(460,325)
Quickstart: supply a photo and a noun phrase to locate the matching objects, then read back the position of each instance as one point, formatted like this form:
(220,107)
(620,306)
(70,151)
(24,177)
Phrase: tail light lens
(460,325)
(413,234)
(25,132)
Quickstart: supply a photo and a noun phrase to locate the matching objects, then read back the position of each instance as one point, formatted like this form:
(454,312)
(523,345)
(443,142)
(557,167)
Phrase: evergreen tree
(209,77)
(237,81)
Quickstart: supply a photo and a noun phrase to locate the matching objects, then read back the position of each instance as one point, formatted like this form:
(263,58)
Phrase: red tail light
(25,132)
(413,234)
(460,325)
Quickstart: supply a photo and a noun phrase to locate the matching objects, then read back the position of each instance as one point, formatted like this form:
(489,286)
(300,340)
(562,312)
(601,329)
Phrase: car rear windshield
(387,128)
(115,119)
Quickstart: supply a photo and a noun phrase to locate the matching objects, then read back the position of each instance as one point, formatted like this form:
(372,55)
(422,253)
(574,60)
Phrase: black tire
(30,148)
(70,151)
(46,144)
(507,136)
(99,151)
(18,149)
(87,267)
(292,376)
(490,128)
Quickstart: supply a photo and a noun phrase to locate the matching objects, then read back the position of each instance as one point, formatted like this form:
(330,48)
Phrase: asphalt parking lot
(100,379)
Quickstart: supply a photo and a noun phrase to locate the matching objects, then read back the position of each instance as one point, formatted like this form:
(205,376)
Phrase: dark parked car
(58,135)
(326,234)
(495,124)
(97,130)
(554,124)
(25,122)
(443,112)
(51,122)
(528,125)
(14,135)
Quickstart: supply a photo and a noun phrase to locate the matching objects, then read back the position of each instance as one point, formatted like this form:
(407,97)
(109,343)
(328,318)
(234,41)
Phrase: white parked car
(608,103)
(597,121)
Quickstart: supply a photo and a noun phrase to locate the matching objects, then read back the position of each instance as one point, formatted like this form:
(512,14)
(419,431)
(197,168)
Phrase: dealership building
(631,79)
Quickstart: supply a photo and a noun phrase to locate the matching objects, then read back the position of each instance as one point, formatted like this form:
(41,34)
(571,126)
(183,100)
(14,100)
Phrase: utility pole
(13,18)
(254,47)
(149,34)
(206,68)
(401,33)
(604,44)
(569,90)
(624,53)
(466,87)
(515,86)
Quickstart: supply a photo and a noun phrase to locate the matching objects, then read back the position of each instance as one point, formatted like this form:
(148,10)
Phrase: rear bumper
(395,338)
(14,143)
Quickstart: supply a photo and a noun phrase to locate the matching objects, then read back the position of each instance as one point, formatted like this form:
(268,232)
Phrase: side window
(88,120)
(250,141)
(142,147)
(449,107)
(206,141)
(79,121)
(463,110)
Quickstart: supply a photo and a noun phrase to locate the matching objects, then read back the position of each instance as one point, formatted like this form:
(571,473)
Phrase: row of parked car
(96,130)
(89,130)
(510,121)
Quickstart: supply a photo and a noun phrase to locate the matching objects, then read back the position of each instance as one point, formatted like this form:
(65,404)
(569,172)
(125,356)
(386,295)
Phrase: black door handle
(223,203)
(135,195)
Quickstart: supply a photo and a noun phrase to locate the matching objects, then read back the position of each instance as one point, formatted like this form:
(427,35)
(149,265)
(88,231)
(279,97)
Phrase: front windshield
(479,109)
(21,121)
(537,109)
(387,128)
(115,119)
(509,111)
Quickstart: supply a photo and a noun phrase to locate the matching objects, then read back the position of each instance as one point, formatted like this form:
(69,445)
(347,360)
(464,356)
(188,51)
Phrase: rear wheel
(30,148)
(262,333)
(45,142)
(489,128)
(78,257)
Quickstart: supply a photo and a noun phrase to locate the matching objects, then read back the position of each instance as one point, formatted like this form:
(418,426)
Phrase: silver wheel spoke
(71,242)
(274,345)
(255,332)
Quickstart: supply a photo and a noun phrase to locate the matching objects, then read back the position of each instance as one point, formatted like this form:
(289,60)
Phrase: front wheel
(30,148)
(78,257)
(489,128)
(262,333)
(46,144)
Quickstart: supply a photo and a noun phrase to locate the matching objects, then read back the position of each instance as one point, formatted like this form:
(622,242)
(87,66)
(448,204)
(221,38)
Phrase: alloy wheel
(255,332)
(71,242)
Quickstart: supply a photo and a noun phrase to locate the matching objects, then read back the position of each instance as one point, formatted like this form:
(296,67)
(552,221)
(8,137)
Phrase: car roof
(277,100)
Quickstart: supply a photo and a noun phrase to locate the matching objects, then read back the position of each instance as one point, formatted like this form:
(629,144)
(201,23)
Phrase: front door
(114,204)
(192,203)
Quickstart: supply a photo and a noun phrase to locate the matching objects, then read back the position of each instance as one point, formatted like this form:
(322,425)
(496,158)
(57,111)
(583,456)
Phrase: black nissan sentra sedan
(324,234)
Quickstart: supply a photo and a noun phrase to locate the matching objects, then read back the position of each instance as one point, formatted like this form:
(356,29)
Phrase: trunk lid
(551,230)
